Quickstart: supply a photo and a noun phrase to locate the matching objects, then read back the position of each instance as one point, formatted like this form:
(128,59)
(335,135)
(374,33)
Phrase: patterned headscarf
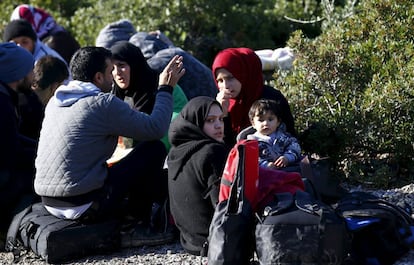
(42,22)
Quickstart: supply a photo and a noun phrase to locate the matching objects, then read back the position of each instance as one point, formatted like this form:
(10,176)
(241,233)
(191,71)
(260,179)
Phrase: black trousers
(16,193)
(133,184)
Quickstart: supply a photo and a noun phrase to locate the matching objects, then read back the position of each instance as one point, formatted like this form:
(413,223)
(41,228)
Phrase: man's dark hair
(87,61)
(261,106)
(49,70)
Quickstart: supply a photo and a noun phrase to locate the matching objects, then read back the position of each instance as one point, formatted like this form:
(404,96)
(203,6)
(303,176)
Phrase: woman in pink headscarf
(239,78)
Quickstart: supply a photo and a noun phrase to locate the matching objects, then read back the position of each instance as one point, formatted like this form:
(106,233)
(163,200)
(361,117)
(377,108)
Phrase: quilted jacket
(80,132)
(277,144)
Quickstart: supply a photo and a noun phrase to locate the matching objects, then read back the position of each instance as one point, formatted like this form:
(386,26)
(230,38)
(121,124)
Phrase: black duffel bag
(57,240)
(298,229)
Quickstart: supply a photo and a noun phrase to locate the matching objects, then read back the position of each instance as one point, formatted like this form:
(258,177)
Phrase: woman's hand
(172,72)
(223,98)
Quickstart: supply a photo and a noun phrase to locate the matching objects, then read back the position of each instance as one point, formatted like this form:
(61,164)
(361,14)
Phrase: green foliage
(61,10)
(7,7)
(201,27)
(357,77)
(352,85)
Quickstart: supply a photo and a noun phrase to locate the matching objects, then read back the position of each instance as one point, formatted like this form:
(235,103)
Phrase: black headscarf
(186,133)
(188,126)
(143,82)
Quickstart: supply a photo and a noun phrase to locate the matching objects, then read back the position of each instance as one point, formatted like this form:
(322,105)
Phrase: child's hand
(281,161)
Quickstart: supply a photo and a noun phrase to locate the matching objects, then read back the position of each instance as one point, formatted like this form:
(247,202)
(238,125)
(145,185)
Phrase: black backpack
(381,232)
(299,229)
(230,239)
(57,240)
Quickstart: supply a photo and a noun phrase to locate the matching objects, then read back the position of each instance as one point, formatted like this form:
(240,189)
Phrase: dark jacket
(17,154)
(17,151)
(195,166)
(268,93)
(31,111)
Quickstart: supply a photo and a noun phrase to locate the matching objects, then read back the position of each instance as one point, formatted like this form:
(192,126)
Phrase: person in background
(119,30)
(159,50)
(49,73)
(277,148)
(239,78)
(17,152)
(20,31)
(80,132)
(195,165)
(47,30)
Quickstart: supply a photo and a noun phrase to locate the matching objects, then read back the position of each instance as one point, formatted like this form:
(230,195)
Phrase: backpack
(57,240)
(299,229)
(230,239)
(320,180)
(242,159)
(381,231)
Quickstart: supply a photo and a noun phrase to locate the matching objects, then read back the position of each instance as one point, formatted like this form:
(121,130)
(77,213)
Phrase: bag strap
(306,203)
(396,209)
(12,244)
(284,201)
(236,196)
(369,198)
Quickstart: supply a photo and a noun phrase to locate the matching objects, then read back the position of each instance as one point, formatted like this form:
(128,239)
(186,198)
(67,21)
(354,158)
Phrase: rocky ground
(160,255)
(174,254)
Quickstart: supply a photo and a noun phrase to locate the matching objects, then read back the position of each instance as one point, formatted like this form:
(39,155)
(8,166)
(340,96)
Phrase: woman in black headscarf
(136,83)
(134,80)
(195,165)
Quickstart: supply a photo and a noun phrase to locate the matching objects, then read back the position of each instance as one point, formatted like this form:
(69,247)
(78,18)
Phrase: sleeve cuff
(165,88)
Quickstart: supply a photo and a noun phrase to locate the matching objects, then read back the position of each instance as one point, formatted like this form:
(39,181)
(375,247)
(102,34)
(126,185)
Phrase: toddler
(277,147)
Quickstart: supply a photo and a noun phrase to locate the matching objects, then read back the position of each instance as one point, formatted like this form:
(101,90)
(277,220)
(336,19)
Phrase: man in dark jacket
(17,152)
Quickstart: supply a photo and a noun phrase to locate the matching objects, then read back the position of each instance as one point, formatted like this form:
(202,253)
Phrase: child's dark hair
(262,106)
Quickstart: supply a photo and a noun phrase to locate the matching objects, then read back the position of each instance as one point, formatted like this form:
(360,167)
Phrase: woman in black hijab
(133,78)
(136,83)
(195,165)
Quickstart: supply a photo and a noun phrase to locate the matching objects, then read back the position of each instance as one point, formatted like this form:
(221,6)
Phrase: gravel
(174,254)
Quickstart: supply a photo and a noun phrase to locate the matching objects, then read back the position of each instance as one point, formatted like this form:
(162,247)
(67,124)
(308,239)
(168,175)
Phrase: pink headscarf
(246,67)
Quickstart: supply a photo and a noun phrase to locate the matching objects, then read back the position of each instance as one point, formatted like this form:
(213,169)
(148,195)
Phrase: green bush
(61,10)
(352,86)
(357,78)
(201,27)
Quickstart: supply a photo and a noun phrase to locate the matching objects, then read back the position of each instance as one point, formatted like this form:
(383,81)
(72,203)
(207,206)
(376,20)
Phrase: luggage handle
(306,203)
(284,201)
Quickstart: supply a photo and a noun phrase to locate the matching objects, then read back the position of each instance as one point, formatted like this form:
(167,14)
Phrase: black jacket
(195,166)
(17,154)
(268,93)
